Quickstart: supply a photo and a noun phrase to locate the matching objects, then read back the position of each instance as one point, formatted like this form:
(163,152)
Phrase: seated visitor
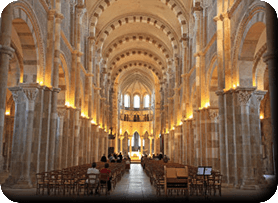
(160,156)
(103,158)
(119,160)
(95,171)
(106,170)
(111,158)
(165,159)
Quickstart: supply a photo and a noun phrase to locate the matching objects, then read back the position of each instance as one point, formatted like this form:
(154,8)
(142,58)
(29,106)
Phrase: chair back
(92,178)
(103,176)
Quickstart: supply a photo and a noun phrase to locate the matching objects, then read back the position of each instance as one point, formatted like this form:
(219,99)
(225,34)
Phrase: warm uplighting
(234,86)
(261,117)
(7,113)
(190,117)
(83,115)
(93,122)
(121,131)
(67,104)
(173,128)
(181,123)
(207,105)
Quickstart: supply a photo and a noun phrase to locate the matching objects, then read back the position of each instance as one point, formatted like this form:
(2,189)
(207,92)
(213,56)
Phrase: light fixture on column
(8,113)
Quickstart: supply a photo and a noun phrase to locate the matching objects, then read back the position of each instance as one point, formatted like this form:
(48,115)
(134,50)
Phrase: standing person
(93,170)
(103,158)
(106,170)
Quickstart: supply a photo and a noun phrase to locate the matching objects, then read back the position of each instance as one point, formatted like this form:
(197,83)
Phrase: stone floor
(135,187)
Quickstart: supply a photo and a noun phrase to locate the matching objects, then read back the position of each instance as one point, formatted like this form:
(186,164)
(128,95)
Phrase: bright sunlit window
(136,101)
(127,101)
(147,101)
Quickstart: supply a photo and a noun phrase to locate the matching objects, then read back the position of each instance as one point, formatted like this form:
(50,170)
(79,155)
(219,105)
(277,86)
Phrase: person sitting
(106,170)
(111,158)
(165,159)
(103,158)
(93,170)
(119,160)
(160,156)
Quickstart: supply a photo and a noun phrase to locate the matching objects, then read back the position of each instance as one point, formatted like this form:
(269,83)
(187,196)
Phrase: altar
(135,155)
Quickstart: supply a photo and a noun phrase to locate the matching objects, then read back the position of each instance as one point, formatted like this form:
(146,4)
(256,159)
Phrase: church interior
(191,79)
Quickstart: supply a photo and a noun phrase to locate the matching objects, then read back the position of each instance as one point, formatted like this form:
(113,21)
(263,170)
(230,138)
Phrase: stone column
(151,145)
(53,122)
(256,135)
(6,53)
(66,138)
(198,26)
(130,145)
(177,145)
(214,142)
(141,150)
(271,60)
(17,145)
(121,138)
(244,95)
(166,142)
(30,92)
(59,153)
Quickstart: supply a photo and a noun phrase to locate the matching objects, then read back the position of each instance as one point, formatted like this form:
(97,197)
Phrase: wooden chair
(103,182)
(217,183)
(81,184)
(41,184)
(160,182)
(92,182)
(68,182)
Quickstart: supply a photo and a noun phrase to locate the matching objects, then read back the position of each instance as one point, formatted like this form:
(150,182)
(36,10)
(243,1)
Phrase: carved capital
(31,94)
(244,97)
(61,112)
(213,114)
(17,95)
(260,96)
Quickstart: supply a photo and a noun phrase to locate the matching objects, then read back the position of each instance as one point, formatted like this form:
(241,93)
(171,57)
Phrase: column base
(227,185)
(20,184)
(23,184)
(249,184)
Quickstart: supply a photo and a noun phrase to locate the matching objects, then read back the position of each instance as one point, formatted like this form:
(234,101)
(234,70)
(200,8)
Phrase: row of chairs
(197,185)
(74,180)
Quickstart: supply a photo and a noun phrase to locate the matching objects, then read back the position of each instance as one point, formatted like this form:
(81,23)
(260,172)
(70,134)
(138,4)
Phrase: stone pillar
(166,144)
(17,146)
(55,83)
(71,141)
(141,151)
(6,53)
(59,153)
(256,135)
(198,26)
(248,180)
(66,138)
(130,145)
(177,145)
(76,136)
(151,146)
(271,60)
(121,138)
(214,139)
(30,92)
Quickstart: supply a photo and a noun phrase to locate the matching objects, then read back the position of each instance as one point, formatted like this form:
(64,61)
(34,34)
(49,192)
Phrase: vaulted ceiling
(137,39)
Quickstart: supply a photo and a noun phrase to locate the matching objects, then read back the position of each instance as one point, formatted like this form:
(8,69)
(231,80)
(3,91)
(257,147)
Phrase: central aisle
(135,184)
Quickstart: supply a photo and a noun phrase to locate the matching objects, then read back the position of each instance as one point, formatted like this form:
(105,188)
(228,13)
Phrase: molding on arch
(139,18)
(137,37)
(255,11)
(174,5)
(118,70)
(32,21)
(255,69)
(131,52)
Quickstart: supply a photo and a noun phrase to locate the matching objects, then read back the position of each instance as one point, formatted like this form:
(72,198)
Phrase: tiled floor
(135,187)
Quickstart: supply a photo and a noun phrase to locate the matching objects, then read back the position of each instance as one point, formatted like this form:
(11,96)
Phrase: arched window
(127,101)
(147,101)
(136,102)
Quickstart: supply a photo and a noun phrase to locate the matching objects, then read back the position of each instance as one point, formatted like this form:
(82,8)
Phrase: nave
(134,186)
